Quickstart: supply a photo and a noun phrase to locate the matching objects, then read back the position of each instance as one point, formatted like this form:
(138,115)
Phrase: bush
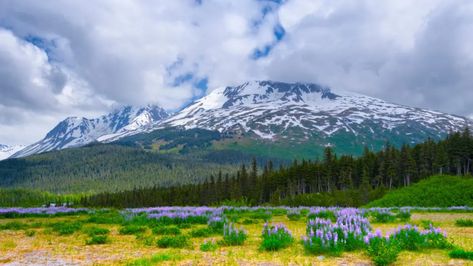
(294,216)
(97,240)
(275,237)
(93,231)
(201,219)
(216,224)
(173,242)
(403,215)
(409,238)
(249,221)
(14,226)
(322,238)
(436,191)
(132,230)
(169,230)
(233,236)
(146,239)
(106,217)
(30,233)
(155,259)
(435,238)
(382,251)
(346,234)
(383,216)
(322,214)
(464,222)
(201,232)
(66,228)
(461,254)
(265,216)
(208,246)
(184,226)
(426,224)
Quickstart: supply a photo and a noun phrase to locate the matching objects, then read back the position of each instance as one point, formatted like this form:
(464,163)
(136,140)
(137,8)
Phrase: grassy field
(39,240)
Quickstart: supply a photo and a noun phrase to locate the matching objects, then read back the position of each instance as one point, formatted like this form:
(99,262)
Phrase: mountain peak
(300,111)
(79,131)
(7,150)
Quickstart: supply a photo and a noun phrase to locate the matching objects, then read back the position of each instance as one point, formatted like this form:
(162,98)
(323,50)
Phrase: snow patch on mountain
(273,109)
(80,131)
(7,151)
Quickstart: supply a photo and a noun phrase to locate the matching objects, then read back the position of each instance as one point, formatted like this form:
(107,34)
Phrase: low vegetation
(221,235)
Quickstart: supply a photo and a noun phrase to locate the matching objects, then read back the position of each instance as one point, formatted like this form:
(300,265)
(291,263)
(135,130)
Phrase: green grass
(66,228)
(132,230)
(155,259)
(461,254)
(140,248)
(437,191)
(173,242)
(464,222)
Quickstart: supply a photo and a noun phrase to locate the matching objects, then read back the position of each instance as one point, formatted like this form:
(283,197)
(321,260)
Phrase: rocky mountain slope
(275,113)
(79,131)
(299,111)
(7,151)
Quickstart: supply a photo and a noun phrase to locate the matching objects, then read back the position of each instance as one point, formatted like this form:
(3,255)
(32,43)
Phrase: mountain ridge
(80,131)
(267,111)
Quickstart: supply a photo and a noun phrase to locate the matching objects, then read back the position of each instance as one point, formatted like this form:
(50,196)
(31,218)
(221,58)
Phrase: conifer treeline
(390,168)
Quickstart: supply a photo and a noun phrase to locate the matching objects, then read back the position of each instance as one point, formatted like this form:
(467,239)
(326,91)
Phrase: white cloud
(84,57)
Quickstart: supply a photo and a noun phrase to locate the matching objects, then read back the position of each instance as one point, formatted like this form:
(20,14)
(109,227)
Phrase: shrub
(146,240)
(106,217)
(14,226)
(249,221)
(426,224)
(464,222)
(179,241)
(132,230)
(351,230)
(66,228)
(166,220)
(97,240)
(346,234)
(383,216)
(184,226)
(403,215)
(265,216)
(461,254)
(201,232)
(30,233)
(322,214)
(435,238)
(275,237)
(436,191)
(216,224)
(154,260)
(168,230)
(92,231)
(208,246)
(322,238)
(294,215)
(408,238)
(381,250)
(233,236)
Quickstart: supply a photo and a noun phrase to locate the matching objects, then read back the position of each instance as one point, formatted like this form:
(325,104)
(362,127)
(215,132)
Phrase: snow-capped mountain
(298,111)
(79,131)
(7,151)
(267,110)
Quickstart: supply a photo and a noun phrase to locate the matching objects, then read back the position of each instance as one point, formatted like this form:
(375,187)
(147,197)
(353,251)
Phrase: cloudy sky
(71,57)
